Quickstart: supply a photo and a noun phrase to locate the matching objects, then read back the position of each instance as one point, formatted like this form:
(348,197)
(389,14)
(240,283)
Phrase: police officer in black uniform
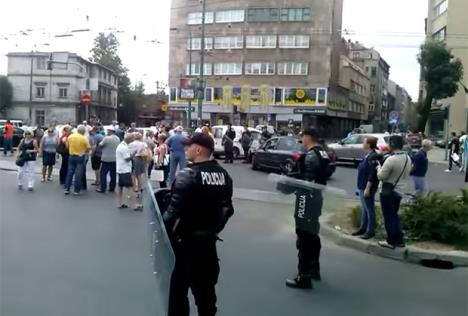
(308,210)
(200,206)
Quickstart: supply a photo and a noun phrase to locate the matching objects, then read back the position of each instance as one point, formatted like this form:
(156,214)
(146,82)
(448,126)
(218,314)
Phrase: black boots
(300,282)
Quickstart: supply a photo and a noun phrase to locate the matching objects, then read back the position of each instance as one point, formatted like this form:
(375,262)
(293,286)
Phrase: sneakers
(30,189)
(66,192)
(43,180)
(367,236)
(447,170)
(300,282)
(20,187)
(358,233)
(385,244)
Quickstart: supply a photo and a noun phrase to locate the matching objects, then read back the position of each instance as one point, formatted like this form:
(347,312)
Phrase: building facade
(378,71)
(398,101)
(448,21)
(265,62)
(48,88)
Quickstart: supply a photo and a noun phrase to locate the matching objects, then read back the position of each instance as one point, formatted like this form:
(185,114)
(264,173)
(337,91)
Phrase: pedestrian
(96,154)
(177,152)
(149,140)
(132,128)
(420,167)
(26,156)
(265,134)
(120,131)
(194,227)
(140,168)
(124,171)
(108,146)
(308,210)
(228,143)
(463,148)
(367,184)
(246,142)
(8,138)
(84,181)
(454,152)
(62,150)
(78,146)
(393,173)
(207,131)
(48,150)
(161,158)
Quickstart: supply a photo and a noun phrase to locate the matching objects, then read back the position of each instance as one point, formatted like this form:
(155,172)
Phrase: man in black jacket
(228,142)
(200,207)
(308,210)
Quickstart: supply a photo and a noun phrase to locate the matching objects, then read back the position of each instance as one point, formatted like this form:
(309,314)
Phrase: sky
(394,27)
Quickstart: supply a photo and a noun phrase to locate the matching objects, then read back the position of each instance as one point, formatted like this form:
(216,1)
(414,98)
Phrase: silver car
(350,149)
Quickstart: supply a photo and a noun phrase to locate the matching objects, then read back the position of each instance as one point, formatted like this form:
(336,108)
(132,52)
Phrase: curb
(409,254)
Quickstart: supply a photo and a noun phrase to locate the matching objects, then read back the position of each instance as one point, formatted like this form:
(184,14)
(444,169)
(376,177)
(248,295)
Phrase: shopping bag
(455,157)
(157,175)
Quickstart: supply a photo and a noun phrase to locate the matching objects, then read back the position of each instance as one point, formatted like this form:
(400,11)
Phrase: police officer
(200,206)
(308,210)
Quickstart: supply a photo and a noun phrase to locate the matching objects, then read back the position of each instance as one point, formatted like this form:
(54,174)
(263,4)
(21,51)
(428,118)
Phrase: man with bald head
(123,158)
(78,146)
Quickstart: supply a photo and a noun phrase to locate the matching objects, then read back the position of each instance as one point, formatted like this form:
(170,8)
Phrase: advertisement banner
(187,90)
(300,96)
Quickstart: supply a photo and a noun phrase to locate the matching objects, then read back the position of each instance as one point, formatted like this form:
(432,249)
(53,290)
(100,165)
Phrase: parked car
(350,148)
(16,123)
(17,135)
(220,130)
(286,154)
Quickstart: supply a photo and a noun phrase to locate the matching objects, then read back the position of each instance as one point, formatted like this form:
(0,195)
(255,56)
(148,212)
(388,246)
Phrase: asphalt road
(344,178)
(64,255)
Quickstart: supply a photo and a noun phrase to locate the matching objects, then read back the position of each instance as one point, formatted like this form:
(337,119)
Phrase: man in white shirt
(124,157)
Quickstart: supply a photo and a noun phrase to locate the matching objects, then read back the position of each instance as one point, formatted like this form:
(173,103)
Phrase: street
(63,255)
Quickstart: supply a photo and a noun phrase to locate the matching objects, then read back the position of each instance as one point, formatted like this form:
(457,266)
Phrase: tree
(105,52)
(441,72)
(132,97)
(6,95)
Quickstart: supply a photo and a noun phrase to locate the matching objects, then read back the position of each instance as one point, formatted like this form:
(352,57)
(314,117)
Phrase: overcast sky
(394,27)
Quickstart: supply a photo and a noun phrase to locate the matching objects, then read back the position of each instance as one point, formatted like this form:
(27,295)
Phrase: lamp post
(201,90)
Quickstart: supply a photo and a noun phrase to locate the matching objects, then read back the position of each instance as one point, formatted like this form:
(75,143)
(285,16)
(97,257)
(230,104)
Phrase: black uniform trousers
(229,152)
(308,246)
(197,268)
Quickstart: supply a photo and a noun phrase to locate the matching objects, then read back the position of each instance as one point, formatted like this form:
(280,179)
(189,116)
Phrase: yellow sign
(164,107)
(245,98)
(265,95)
(227,96)
(300,94)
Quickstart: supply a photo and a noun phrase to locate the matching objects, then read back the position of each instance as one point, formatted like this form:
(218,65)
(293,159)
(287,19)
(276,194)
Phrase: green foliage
(131,98)
(441,72)
(438,217)
(6,95)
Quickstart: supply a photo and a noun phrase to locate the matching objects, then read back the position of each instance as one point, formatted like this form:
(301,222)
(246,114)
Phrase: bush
(438,217)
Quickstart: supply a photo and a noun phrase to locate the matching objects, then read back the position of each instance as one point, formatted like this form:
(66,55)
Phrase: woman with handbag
(47,149)
(161,159)
(394,171)
(27,152)
(63,151)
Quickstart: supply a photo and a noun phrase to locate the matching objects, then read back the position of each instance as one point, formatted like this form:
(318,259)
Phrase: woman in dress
(48,150)
(26,152)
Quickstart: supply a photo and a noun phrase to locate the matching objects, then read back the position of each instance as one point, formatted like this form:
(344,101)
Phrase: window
(259,68)
(289,144)
(40,117)
(290,68)
(196,18)
(262,15)
(322,96)
(261,41)
(372,88)
(40,92)
(294,41)
(373,72)
(278,95)
(440,34)
(353,140)
(63,92)
(41,62)
(295,14)
(271,144)
(229,42)
(440,8)
(196,43)
(356,55)
(196,69)
(230,16)
(209,94)
(228,69)
(173,94)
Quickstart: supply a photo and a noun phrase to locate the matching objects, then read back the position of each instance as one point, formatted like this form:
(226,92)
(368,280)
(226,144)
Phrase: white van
(16,123)
(220,130)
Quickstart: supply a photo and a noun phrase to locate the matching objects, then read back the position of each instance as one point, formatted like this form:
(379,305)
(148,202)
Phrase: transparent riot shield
(161,252)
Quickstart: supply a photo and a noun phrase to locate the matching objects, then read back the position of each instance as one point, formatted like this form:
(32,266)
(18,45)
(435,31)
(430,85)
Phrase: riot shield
(161,252)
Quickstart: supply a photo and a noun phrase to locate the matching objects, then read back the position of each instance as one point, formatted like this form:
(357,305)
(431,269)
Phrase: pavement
(65,255)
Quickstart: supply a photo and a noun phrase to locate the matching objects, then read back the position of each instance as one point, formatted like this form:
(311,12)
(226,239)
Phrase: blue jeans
(108,168)
(177,159)
(419,185)
(7,145)
(75,168)
(367,213)
(390,206)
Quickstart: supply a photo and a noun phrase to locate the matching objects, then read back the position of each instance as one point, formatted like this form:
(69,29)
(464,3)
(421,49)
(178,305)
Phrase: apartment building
(48,88)
(447,20)
(265,62)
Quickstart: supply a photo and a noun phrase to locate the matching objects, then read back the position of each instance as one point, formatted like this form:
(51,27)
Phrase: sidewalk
(437,155)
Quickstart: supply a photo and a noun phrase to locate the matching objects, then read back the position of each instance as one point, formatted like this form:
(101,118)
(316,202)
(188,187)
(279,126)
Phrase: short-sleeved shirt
(97,140)
(49,143)
(122,154)
(109,146)
(421,164)
(78,144)
(175,143)
(8,131)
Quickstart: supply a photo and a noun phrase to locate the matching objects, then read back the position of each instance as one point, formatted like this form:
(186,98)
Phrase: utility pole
(30,90)
(201,90)
(189,111)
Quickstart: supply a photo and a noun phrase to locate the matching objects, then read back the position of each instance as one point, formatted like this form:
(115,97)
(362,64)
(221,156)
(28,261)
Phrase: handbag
(157,175)
(20,160)
(455,157)
(61,148)
(387,187)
